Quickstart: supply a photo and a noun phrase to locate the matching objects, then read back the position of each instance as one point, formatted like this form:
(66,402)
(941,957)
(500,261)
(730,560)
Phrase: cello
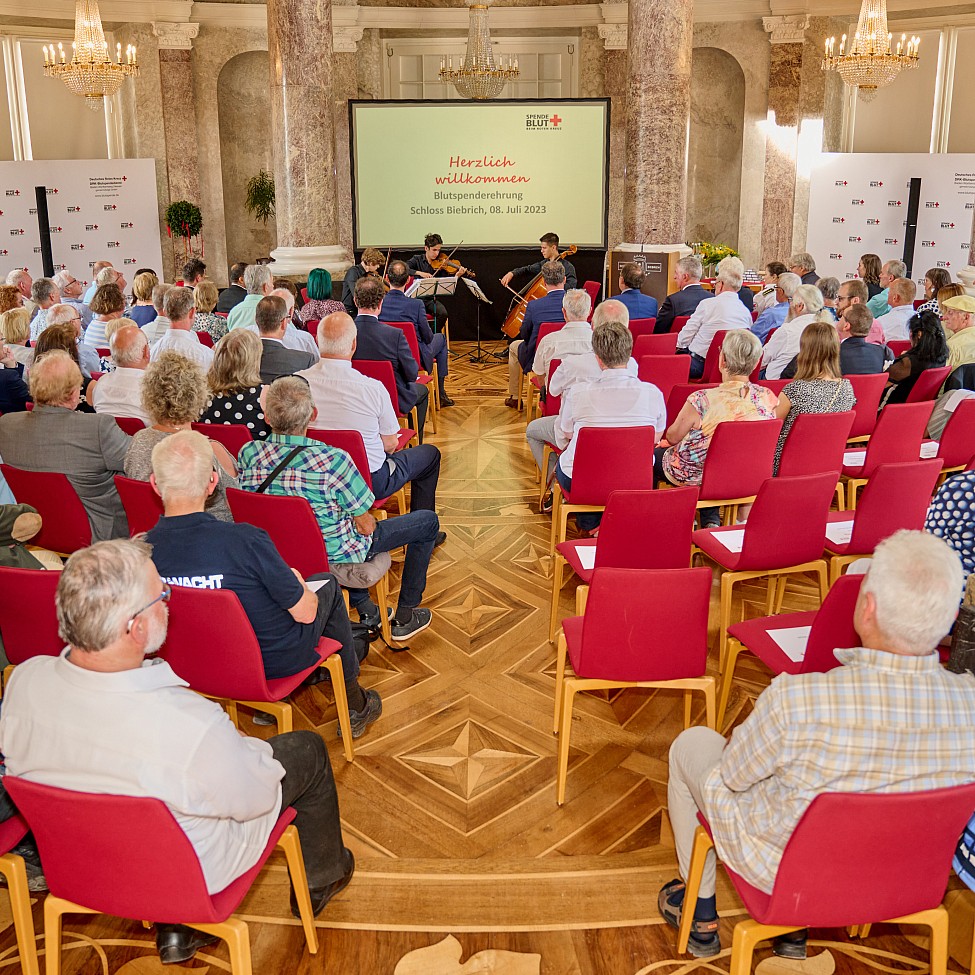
(536,289)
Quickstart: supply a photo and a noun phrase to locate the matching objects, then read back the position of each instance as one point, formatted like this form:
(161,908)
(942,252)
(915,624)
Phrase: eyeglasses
(162,597)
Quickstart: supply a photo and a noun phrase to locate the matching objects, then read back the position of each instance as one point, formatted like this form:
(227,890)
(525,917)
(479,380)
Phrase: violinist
(398,308)
(550,252)
(372,260)
(424,266)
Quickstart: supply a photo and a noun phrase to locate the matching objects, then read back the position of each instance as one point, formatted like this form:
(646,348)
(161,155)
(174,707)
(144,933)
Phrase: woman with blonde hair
(173,394)
(143,311)
(235,383)
(15,331)
(819,386)
(205,299)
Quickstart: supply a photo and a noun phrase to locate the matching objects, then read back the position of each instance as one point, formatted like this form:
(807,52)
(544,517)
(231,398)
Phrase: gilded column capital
(787,30)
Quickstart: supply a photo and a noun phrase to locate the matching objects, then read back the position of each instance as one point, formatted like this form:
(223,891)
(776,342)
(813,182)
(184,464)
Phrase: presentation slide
(493,174)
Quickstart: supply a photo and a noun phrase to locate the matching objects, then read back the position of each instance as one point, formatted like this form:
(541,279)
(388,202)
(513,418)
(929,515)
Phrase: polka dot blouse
(239,406)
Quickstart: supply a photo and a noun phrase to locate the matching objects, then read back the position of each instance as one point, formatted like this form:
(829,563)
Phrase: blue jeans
(418,465)
(418,531)
(585,520)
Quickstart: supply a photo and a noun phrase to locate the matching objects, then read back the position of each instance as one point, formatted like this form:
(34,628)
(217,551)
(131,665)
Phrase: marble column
(178,109)
(658,101)
(302,136)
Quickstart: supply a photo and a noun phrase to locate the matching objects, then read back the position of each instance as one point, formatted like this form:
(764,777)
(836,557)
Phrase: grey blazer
(278,361)
(89,447)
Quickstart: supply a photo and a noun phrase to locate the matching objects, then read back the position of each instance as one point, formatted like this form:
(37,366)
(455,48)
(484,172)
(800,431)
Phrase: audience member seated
(45,295)
(320,303)
(783,346)
(767,298)
(775,316)
(258,281)
(637,303)
(574,338)
(616,398)
(235,384)
(71,289)
(398,308)
(193,272)
(298,339)
(889,273)
(142,310)
(950,519)
(235,294)
(829,288)
(714,315)
(859,357)
(341,502)
(206,320)
(20,278)
(869,270)
(96,269)
(913,727)
(900,299)
(928,350)
(818,386)
(277,360)
(934,280)
(191,548)
(803,265)
(10,297)
(521,352)
(370,262)
(15,331)
(180,308)
(65,334)
(735,399)
(107,305)
(688,272)
(173,394)
(135,729)
(14,393)
(119,393)
(89,448)
(377,341)
(347,400)
(159,326)
(959,323)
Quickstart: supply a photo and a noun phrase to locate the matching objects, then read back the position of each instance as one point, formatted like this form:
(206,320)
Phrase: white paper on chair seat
(854,458)
(839,532)
(929,449)
(792,641)
(315,584)
(587,556)
(732,540)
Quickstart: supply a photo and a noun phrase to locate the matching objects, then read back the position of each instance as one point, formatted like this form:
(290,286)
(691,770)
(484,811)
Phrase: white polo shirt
(185,343)
(722,312)
(573,338)
(582,368)
(894,323)
(120,394)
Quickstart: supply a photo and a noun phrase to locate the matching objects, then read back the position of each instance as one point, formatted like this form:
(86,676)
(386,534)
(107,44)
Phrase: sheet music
(792,641)
(428,287)
(477,291)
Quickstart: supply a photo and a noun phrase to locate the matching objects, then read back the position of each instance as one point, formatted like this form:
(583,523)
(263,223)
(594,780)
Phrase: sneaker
(372,620)
(791,945)
(360,719)
(546,506)
(27,850)
(417,623)
(263,719)
(703,941)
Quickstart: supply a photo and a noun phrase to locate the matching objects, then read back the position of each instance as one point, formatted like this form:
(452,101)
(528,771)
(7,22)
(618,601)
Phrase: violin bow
(454,251)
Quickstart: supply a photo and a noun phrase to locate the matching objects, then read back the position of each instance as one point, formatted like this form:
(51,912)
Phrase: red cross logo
(555,120)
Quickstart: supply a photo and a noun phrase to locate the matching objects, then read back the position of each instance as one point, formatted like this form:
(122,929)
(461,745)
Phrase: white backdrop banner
(99,209)
(858,205)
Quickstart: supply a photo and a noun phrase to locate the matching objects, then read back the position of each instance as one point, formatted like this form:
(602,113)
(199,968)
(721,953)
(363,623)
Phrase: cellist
(550,252)
(422,266)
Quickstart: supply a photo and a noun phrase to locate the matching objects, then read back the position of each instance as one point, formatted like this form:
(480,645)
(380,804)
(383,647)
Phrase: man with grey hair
(891,719)
(713,315)
(785,288)
(803,265)
(889,273)
(521,352)
(783,346)
(341,500)
(180,307)
(259,282)
(87,356)
(119,392)
(102,718)
(295,338)
(159,326)
(71,289)
(96,269)
(44,293)
(574,338)
(272,318)
(20,278)
(689,294)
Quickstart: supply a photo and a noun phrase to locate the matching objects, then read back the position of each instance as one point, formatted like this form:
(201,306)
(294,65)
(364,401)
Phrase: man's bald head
(129,347)
(610,311)
(336,336)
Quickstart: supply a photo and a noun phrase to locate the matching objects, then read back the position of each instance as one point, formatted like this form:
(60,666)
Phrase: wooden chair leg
(543,474)
(710,708)
(770,593)
(231,708)
(568,696)
(821,571)
(433,408)
(937,920)
(864,931)
(724,616)
(54,909)
(557,581)
(12,867)
(747,935)
(687,709)
(780,593)
(559,681)
(334,666)
(234,932)
(839,495)
(727,678)
(699,851)
(582,598)
(291,845)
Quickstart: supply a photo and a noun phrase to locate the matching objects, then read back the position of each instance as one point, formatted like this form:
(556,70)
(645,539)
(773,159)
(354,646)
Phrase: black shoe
(370,711)
(320,896)
(417,623)
(512,401)
(792,945)
(440,539)
(545,507)
(373,621)
(177,943)
(445,400)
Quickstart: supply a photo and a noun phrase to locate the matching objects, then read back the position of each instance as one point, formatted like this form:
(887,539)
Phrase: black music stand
(482,299)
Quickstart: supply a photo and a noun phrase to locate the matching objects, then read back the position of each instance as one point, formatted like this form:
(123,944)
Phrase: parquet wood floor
(465,862)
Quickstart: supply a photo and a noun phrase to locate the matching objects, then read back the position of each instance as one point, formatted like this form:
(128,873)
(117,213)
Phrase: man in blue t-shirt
(192,548)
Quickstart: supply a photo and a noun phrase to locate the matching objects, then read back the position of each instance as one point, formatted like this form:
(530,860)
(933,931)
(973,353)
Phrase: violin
(536,289)
(442,263)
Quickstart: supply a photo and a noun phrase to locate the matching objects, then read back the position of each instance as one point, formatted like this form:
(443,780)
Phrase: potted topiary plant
(184,220)
(259,201)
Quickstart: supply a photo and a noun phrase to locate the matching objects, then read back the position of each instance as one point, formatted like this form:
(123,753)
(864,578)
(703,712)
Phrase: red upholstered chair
(290,522)
(656,636)
(304,295)
(143,507)
(424,378)
(205,339)
(232,435)
(641,326)
(127,856)
(211,645)
(927,385)
(95,376)
(899,346)
(815,443)
(535,382)
(130,424)
(712,374)
(65,527)
(679,322)
(831,627)
(784,535)
(853,859)
(592,288)
(664,371)
(678,397)
(383,371)
(639,530)
(593,479)
(897,496)
(868,389)
(12,831)
(895,440)
(222,314)
(28,619)
(769,334)
(957,445)
(665,344)
(754,316)
(551,405)
(311,326)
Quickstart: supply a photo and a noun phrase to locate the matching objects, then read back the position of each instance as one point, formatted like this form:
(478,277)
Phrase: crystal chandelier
(91,72)
(869,64)
(480,76)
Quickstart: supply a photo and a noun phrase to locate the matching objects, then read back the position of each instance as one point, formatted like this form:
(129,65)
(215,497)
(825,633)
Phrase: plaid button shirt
(881,723)
(323,475)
